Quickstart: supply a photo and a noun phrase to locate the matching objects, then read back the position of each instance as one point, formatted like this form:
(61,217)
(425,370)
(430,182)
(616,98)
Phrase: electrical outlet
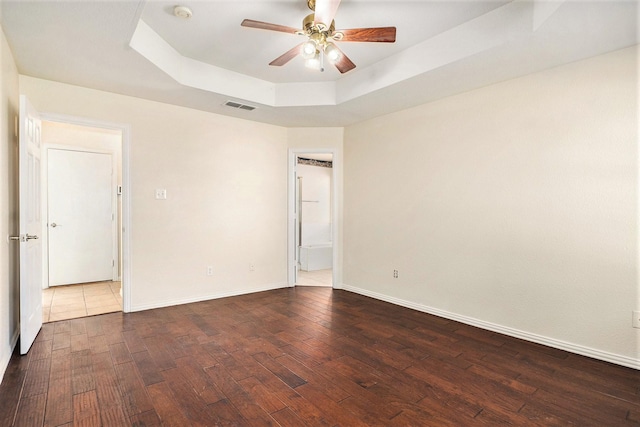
(395,274)
(252,267)
(161,193)
(210,270)
(636,319)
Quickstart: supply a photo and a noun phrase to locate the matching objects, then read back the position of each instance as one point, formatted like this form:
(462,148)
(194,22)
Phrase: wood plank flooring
(304,357)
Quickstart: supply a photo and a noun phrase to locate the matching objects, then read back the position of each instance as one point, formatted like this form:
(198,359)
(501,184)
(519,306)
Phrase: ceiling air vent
(239,106)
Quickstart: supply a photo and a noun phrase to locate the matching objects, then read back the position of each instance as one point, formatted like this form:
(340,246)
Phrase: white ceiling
(140,49)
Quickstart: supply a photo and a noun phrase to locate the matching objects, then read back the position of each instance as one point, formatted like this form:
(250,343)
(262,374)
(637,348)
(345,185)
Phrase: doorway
(83,219)
(312,228)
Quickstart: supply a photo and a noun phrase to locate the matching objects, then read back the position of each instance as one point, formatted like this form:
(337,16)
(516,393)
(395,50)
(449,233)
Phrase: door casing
(294,153)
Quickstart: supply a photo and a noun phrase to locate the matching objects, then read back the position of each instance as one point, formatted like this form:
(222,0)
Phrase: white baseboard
(233,293)
(528,336)
(6,358)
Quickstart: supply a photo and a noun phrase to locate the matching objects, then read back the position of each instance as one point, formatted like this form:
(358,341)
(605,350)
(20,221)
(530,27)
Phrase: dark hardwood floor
(304,357)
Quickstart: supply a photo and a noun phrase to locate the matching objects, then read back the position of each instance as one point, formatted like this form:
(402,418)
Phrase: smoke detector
(182,12)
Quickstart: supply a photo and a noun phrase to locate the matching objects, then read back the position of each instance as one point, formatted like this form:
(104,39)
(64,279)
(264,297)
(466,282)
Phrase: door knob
(54,225)
(24,238)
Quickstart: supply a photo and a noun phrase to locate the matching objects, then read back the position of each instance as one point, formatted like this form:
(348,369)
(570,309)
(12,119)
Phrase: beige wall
(226,185)
(9,303)
(513,206)
(226,181)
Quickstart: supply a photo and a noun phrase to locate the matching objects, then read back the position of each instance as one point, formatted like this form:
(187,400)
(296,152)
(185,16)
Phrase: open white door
(30,225)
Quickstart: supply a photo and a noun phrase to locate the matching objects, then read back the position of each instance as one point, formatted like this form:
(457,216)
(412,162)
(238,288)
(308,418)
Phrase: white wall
(83,137)
(316,203)
(9,303)
(226,185)
(513,207)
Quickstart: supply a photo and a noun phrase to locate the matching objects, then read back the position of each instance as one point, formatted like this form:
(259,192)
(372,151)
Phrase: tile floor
(88,299)
(315,278)
(85,299)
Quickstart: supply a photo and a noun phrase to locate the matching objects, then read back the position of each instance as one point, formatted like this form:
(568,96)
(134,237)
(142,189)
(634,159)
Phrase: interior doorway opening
(82,207)
(312,220)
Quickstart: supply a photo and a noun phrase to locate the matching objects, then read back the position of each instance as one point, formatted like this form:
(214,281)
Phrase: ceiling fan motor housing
(310,26)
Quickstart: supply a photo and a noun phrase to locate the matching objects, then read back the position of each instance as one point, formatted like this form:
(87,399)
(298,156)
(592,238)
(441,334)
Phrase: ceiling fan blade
(381,35)
(287,56)
(344,64)
(267,26)
(325,11)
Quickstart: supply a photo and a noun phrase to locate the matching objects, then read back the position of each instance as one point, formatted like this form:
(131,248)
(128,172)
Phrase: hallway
(85,299)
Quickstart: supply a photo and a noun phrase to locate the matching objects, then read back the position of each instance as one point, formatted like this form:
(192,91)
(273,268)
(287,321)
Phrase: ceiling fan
(319,28)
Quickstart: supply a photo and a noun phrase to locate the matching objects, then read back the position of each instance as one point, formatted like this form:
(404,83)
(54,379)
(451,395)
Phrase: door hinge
(113,263)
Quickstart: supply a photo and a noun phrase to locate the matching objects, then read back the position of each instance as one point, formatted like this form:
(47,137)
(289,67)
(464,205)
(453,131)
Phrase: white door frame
(45,205)
(126,231)
(291,212)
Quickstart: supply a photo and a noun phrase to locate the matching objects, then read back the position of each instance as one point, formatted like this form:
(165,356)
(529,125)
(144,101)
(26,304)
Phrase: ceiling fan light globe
(313,63)
(332,52)
(309,49)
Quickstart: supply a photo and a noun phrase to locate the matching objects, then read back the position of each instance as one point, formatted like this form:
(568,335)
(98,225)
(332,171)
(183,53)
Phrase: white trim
(217,295)
(291,219)
(291,202)
(617,359)
(126,192)
(637,195)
